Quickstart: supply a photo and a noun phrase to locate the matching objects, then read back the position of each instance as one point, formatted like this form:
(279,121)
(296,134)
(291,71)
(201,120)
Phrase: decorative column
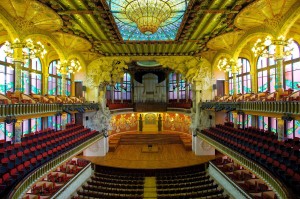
(235,119)
(280,129)
(63,83)
(18,62)
(45,82)
(279,72)
(18,131)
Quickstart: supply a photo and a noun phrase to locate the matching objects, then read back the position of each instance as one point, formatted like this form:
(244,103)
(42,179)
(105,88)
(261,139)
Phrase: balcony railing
(16,110)
(28,181)
(278,107)
(278,187)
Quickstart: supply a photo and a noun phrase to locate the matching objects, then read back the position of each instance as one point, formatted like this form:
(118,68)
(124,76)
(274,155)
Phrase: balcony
(268,107)
(30,110)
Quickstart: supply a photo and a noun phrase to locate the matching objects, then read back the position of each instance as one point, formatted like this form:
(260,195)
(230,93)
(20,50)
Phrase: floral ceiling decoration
(148,20)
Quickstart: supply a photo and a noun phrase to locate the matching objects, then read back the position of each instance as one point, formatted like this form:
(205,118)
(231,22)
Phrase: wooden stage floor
(135,156)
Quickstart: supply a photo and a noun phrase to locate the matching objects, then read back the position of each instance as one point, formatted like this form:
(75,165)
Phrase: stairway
(131,139)
(150,188)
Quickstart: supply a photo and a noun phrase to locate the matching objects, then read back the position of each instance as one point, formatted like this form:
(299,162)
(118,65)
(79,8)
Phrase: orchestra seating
(188,182)
(113,183)
(280,158)
(19,159)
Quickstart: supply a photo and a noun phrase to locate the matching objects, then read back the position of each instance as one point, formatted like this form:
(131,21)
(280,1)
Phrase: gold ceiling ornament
(71,66)
(261,48)
(30,50)
(148,14)
(227,65)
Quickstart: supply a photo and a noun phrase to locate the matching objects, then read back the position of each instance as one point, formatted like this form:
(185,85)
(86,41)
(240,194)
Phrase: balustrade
(30,109)
(278,107)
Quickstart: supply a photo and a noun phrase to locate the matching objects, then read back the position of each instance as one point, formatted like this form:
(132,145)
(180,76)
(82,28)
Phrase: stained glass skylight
(129,29)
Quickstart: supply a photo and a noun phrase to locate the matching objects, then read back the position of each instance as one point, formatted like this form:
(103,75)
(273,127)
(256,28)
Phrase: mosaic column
(18,62)
(280,129)
(279,73)
(18,131)
(235,119)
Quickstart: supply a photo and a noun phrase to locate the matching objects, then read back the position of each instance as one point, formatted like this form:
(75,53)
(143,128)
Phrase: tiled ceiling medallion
(148,20)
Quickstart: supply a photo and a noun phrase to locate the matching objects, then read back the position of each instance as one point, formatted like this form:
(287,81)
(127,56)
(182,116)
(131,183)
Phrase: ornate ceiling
(98,28)
(95,22)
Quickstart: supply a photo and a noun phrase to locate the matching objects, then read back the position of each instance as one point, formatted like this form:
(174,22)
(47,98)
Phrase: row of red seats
(16,167)
(55,180)
(286,166)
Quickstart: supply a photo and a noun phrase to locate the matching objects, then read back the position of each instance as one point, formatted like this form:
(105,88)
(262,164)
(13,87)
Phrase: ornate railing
(279,107)
(278,187)
(29,180)
(15,110)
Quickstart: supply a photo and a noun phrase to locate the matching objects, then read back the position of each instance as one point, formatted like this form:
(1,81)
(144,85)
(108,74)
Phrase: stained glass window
(122,90)
(266,73)
(173,86)
(293,129)
(292,69)
(6,73)
(6,131)
(25,127)
(54,79)
(52,122)
(243,77)
(31,76)
(273,125)
(130,31)
(263,123)
(36,124)
(68,84)
(178,87)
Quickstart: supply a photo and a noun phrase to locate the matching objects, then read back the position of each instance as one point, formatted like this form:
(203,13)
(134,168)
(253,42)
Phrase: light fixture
(148,14)
(29,49)
(71,66)
(260,48)
(228,65)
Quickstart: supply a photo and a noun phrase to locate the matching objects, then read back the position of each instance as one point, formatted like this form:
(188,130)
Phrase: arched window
(266,73)
(178,87)
(292,69)
(68,84)
(6,73)
(32,77)
(54,79)
(243,77)
(173,86)
(123,90)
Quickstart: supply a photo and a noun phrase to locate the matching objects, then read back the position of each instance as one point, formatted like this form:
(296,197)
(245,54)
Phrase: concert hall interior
(167,99)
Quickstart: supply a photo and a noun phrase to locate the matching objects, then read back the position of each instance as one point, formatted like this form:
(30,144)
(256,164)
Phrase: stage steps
(132,139)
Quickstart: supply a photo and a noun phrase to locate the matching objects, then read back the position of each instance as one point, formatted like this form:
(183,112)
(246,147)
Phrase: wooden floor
(167,156)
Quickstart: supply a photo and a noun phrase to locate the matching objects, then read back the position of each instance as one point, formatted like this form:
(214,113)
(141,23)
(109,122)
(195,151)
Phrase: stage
(145,157)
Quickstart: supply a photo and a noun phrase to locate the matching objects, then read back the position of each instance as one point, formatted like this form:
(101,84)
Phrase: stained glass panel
(25,82)
(25,127)
(130,31)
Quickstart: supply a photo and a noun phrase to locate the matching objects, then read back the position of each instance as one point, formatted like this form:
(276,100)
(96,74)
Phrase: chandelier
(71,66)
(228,65)
(29,49)
(262,47)
(148,14)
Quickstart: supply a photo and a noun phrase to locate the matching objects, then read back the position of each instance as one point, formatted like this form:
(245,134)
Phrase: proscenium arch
(56,46)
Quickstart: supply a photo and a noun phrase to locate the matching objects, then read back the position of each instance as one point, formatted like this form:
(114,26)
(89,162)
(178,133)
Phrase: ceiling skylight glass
(129,29)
